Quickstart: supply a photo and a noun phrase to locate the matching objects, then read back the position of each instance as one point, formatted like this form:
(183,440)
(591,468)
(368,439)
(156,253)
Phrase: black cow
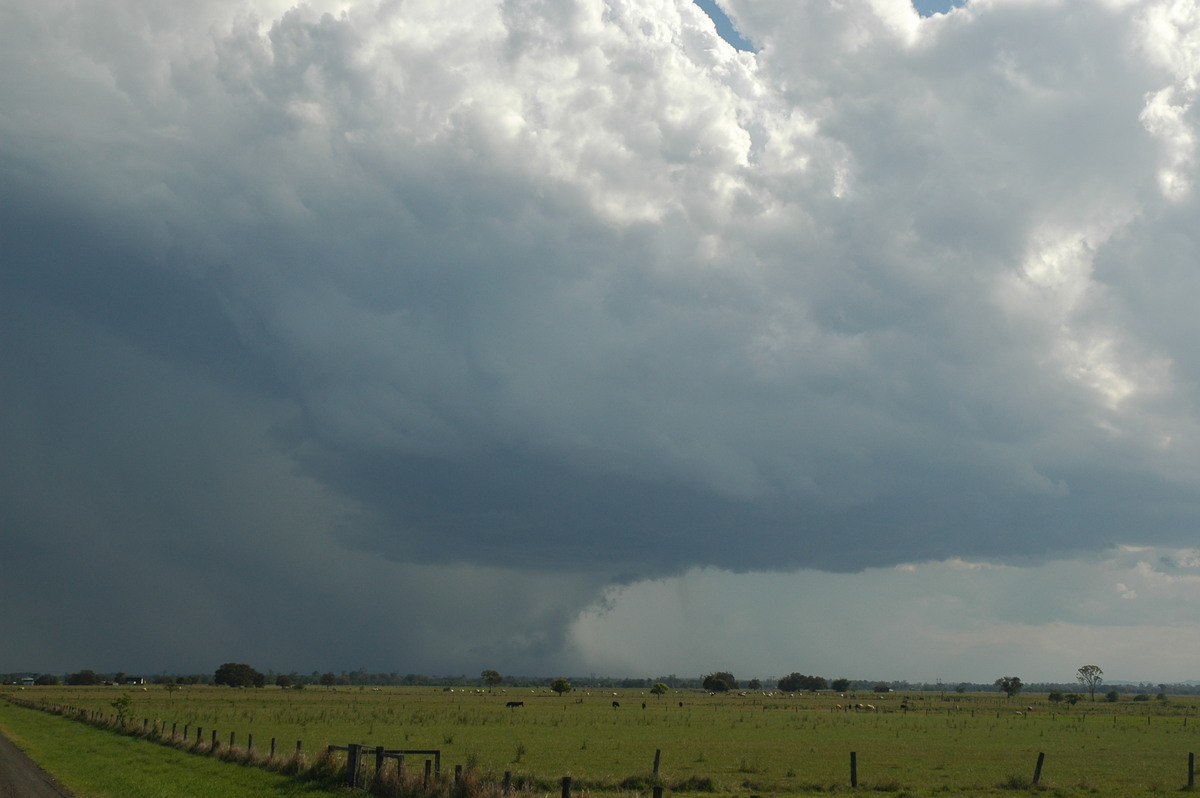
(515,704)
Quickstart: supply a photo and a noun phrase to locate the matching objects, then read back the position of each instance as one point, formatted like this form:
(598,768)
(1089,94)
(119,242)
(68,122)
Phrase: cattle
(515,704)
(616,704)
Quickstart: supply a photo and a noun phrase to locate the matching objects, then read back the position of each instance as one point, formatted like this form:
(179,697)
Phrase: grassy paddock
(754,744)
(95,763)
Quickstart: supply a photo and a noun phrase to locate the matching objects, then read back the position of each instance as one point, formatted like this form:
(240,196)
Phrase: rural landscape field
(752,743)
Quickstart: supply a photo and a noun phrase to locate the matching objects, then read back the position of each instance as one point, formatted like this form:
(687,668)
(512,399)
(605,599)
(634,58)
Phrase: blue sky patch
(725,28)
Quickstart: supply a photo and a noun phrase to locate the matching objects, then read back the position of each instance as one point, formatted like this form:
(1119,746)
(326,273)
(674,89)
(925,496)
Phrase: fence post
(199,734)
(853,768)
(299,746)
(352,757)
(249,742)
(232,737)
(1037,771)
(657,759)
(428,769)
(658,791)
(214,740)
(173,726)
(507,782)
(457,775)
(566,787)
(1191,770)
(378,760)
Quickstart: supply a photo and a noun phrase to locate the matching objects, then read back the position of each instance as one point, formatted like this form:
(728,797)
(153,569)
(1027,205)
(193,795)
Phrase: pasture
(753,744)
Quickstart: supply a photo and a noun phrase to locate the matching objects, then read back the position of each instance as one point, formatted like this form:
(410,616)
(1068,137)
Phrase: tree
(491,678)
(840,685)
(46,678)
(122,706)
(238,674)
(754,684)
(1090,676)
(720,682)
(84,677)
(328,679)
(560,685)
(795,682)
(283,681)
(1112,696)
(659,689)
(1010,685)
(1056,696)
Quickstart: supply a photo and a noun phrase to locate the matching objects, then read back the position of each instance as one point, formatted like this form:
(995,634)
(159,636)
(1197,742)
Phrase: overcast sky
(564,337)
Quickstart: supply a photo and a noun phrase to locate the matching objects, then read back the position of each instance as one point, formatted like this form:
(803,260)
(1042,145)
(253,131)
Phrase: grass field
(94,763)
(755,744)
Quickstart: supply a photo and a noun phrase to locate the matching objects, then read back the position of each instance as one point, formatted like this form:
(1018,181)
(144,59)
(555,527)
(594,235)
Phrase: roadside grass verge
(96,763)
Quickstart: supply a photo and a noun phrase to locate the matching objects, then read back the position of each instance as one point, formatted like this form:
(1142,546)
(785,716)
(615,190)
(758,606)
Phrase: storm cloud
(452,317)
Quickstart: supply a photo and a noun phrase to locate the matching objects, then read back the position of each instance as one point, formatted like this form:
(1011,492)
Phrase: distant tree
(328,679)
(238,674)
(719,682)
(659,689)
(119,678)
(840,685)
(795,682)
(46,678)
(1090,676)
(1072,698)
(754,684)
(883,688)
(1112,696)
(1056,696)
(1010,685)
(84,677)
(283,680)
(560,685)
(491,678)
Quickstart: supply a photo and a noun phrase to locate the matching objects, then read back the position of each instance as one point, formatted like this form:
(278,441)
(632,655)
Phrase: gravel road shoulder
(20,777)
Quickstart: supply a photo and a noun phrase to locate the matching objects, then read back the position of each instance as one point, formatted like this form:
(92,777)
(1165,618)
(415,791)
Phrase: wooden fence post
(199,734)
(1191,771)
(1037,771)
(249,742)
(457,775)
(566,787)
(214,740)
(378,760)
(352,758)
(507,782)
(299,746)
(428,770)
(232,737)
(853,768)
(657,759)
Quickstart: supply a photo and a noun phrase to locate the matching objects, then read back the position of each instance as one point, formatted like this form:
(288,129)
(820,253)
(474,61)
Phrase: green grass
(755,744)
(95,763)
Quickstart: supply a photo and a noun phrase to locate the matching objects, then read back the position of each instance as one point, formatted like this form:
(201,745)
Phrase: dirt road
(21,778)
